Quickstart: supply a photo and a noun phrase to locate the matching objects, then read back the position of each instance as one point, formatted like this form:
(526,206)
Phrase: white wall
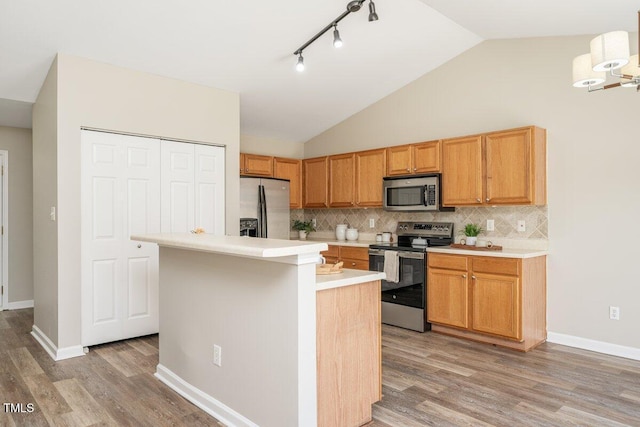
(97,95)
(20,228)
(593,177)
(271,147)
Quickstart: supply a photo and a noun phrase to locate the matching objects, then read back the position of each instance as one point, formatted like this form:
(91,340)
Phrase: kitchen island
(249,335)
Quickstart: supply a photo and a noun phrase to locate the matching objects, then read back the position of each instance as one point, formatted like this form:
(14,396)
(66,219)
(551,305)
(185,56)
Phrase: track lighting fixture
(300,64)
(373,16)
(337,41)
(352,6)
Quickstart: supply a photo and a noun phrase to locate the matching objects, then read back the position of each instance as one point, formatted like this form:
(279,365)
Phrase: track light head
(373,16)
(337,41)
(300,64)
(354,5)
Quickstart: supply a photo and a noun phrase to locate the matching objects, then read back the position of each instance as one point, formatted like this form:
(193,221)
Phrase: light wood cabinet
(413,159)
(256,165)
(349,353)
(370,168)
(498,168)
(353,257)
(492,299)
(315,182)
(290,169)
(342,180)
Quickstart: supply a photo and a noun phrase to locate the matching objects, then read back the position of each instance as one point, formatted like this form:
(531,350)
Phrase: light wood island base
(349,353)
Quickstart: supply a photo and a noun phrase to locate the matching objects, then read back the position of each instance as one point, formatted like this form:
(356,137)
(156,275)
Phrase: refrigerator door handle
(263,212)
(260,218)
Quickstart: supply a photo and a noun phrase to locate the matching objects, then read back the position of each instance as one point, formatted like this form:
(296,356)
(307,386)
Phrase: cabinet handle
(473,277)
(478,199)
(353,264)
(487,199)
(408,170)
(464,276)
(415,169)
(139,246)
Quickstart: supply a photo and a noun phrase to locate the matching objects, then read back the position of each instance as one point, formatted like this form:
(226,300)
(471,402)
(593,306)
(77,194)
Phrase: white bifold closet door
(120,193)
(192,188)
(138,185)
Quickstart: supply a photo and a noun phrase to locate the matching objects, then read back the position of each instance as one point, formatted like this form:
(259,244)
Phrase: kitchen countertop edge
(347,278)
(335,242)
(504,253)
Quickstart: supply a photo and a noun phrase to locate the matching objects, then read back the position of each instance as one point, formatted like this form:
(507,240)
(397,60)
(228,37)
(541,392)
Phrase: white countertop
(346,278)
(234,245)
(504,253)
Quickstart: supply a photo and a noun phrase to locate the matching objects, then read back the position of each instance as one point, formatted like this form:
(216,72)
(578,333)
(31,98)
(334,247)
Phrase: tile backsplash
(505,218)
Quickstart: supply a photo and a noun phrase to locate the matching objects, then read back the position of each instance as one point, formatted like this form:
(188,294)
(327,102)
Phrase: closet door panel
(178,207)
(209,183)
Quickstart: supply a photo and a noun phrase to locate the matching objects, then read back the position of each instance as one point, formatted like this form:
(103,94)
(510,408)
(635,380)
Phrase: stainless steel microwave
(413,193)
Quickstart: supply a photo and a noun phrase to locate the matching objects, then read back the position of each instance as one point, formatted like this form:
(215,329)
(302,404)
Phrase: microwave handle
(425,195)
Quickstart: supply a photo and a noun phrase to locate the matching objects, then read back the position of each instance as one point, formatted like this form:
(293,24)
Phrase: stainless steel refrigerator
(267,201)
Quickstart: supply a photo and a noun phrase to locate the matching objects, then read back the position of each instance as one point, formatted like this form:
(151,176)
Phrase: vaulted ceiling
(247,47)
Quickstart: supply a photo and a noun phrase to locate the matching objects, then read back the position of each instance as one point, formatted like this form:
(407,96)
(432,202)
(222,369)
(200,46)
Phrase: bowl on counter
(352,234)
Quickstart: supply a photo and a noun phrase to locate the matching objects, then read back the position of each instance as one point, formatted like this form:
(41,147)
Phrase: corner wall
(20,227)
(271,147)
(593,197)
(97,95)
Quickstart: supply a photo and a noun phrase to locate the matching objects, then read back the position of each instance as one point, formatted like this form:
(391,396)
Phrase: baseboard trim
(53,351)
(18,305)
(593,345)
(202,400)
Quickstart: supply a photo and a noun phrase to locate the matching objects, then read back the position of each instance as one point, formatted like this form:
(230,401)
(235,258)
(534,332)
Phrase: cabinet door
(462,171)
(448,297)
(426,157)
(399,160)
(496,305)
(290,169)
(508,167)
(258,165)
(370,169)
(314,182)
(342,180)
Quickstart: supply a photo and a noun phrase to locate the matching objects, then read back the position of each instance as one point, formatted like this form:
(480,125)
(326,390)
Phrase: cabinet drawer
(508,266)
(331,252)
(356,264)
(355,253)
(449,262)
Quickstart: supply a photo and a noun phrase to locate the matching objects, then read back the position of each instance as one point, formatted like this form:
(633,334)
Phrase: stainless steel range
(404,302)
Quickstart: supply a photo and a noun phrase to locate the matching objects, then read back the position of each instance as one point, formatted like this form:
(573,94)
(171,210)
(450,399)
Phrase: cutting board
(476,248)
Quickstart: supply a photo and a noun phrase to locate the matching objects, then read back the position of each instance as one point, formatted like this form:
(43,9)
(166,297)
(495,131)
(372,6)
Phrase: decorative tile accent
(505,217)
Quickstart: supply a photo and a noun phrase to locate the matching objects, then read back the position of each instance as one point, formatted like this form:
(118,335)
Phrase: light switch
(52,214)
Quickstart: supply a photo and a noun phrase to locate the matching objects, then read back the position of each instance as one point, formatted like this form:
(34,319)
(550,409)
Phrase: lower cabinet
(356,258)
(492,299)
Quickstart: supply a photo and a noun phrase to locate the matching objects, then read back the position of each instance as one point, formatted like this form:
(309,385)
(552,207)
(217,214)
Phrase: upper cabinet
(315,180)
(342,180)
(256,165)
(290,169)
(413,159)
(499,168)
(370,168)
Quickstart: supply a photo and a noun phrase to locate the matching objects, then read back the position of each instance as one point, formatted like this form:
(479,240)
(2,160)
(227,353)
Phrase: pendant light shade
(610,51)
(583,73)
(373,16)
(631,69)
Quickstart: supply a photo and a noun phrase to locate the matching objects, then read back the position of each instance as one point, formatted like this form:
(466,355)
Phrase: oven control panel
(427,229)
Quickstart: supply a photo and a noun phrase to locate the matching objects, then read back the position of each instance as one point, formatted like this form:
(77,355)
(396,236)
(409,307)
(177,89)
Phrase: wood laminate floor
(428,380)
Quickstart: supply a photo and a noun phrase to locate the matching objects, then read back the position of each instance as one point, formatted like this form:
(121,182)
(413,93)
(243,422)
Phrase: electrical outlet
(521,225)
(372,223)
(314,223)
(614,313)
(491,226)
(217,355)
(52,213)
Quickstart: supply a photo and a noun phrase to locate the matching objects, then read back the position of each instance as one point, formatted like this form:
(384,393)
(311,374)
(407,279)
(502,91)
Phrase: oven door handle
(401,254)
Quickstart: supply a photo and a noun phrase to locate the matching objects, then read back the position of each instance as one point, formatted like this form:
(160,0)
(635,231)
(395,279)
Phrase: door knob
(139,246)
